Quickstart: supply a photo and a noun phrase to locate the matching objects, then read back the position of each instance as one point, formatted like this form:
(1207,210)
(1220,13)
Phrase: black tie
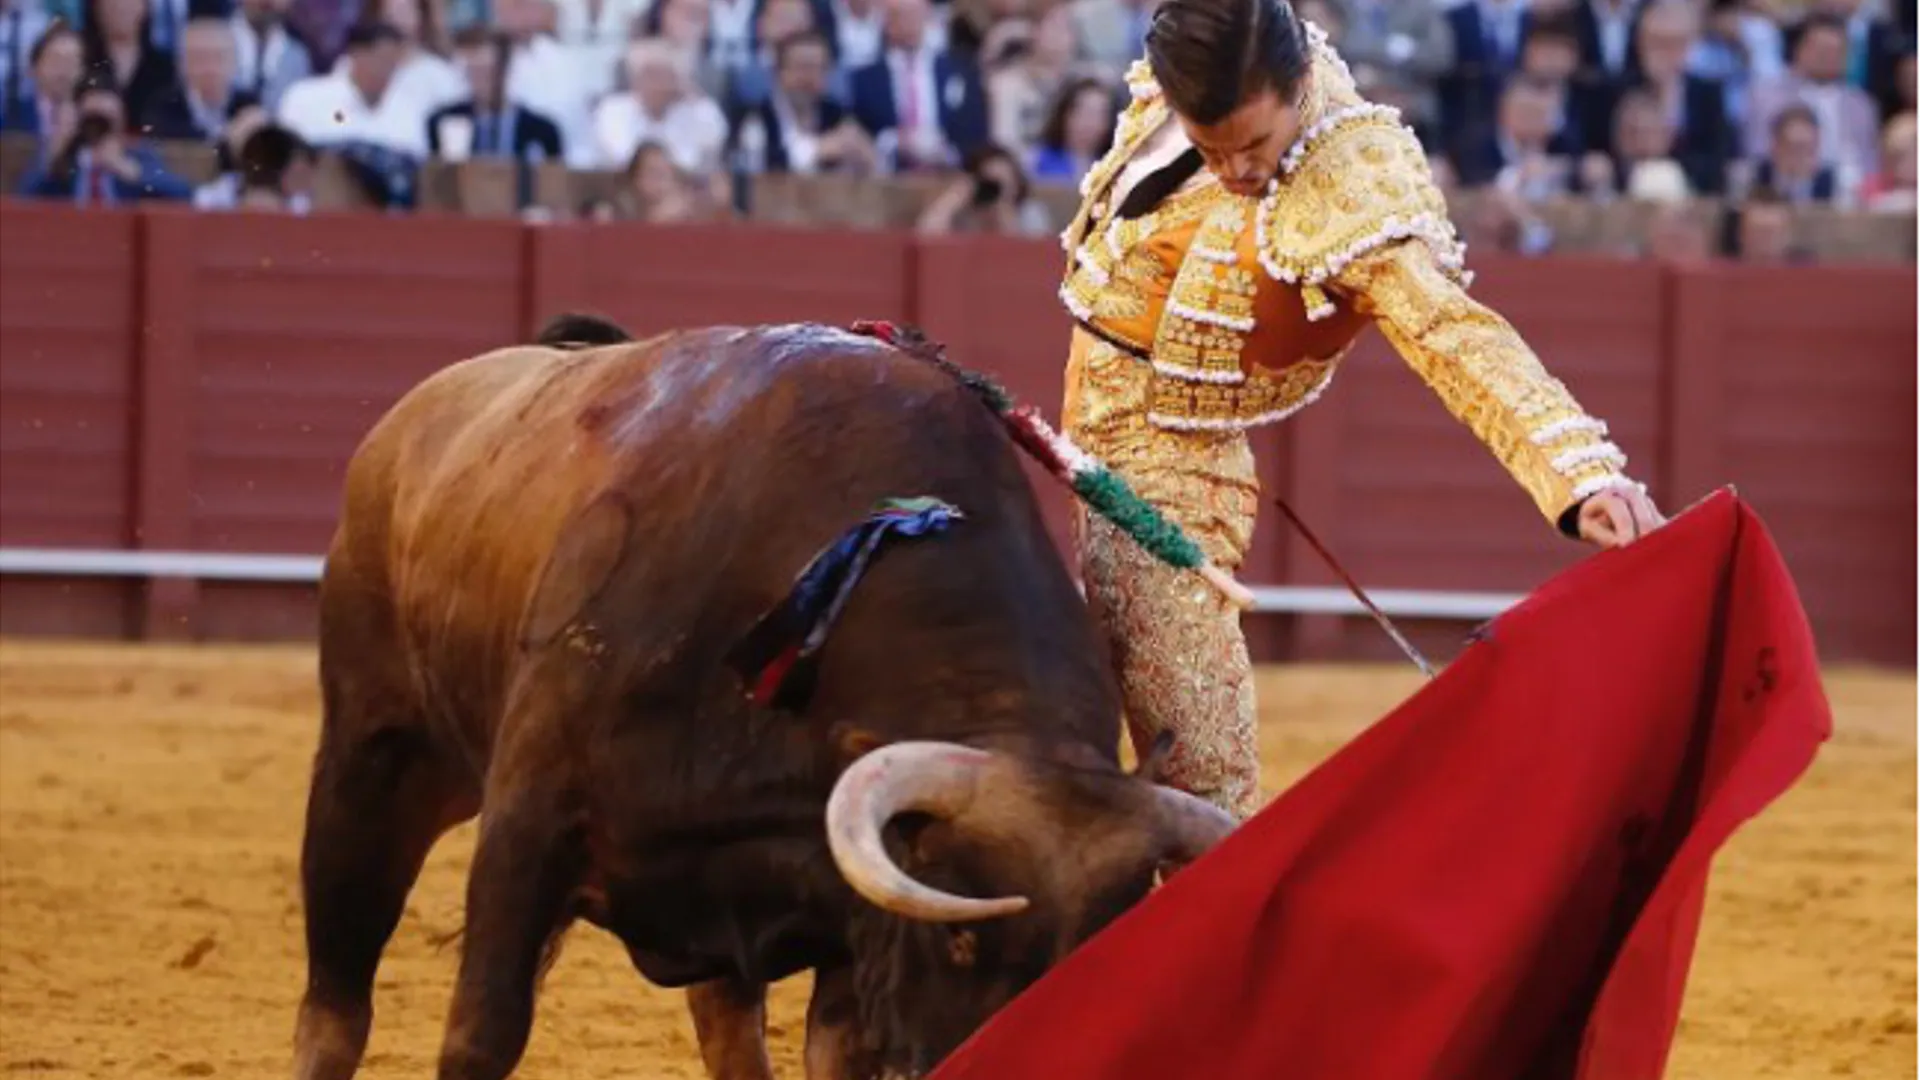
(260,64)
(1161,183)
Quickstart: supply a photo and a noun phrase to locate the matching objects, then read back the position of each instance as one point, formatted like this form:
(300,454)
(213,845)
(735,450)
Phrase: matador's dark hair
(1210,56)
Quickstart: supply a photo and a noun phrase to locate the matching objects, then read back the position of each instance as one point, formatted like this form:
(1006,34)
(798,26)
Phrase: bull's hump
(708,378)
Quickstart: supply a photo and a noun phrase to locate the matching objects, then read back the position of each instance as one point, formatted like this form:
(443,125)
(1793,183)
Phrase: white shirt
(597,42)
(423,81)
(1616,32)
(1156,153)
(328,109)
(693,131)
(730,32)
(860,38)
(549,78)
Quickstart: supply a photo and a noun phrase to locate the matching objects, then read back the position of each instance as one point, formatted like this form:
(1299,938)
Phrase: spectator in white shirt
(661,104)
(597,31)
(550,78)
(425,77)
(352,104)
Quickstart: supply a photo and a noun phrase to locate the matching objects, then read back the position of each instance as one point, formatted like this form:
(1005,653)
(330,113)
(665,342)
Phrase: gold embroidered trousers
(1177,643)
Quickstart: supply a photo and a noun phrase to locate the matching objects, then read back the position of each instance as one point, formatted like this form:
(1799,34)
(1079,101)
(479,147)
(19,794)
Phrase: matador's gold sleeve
(1486,375)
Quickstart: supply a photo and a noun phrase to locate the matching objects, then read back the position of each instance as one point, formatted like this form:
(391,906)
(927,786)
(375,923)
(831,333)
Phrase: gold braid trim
(1209,310)
(1355,181)
(1485,375)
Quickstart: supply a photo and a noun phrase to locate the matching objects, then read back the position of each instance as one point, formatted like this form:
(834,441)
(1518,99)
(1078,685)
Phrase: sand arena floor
(150,810)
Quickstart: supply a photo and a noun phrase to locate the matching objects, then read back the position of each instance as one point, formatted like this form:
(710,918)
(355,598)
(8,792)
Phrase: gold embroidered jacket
(1245,308)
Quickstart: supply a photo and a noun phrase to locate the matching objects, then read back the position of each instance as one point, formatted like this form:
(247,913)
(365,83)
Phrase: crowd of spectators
(1768,103)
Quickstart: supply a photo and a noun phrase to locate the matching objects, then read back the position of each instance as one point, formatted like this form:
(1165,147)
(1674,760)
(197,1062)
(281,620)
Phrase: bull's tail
(572,330)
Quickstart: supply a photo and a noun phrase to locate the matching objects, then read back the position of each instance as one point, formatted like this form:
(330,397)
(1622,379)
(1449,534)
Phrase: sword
(1353,586)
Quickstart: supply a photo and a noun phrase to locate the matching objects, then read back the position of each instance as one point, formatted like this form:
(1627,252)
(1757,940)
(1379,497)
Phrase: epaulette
(1356,180)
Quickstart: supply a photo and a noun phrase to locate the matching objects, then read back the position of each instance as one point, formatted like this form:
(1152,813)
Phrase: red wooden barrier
(173,381)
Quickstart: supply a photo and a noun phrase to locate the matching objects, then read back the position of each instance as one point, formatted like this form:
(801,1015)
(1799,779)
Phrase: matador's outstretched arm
(1487,377)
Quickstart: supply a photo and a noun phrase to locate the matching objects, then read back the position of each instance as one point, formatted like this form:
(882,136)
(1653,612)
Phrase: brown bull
(544,556)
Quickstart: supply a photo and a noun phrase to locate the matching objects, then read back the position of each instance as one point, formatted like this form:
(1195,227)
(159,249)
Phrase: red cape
(1501,879)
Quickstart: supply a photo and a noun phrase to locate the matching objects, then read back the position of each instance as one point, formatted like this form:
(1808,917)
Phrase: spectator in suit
(1740,47)
(661,104)
(486,124)
(857,29)
(924,107)
(167,20)
(750,83)
(1643,142)
(94,162)
(1077,133)
(22,23)
(1607,32)
(1398,50)
(1817,78)
(118,51)
(1792,168)
(1874,42)
(1527,157)
(1899,97)
(1111,34)
(352,103)
(1696,106)
(549,78)
(57,61)
(1487,37)
(207,99)
(268,55)
(1550,53)
(799,127)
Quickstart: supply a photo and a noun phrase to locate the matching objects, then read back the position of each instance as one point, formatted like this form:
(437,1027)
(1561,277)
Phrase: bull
(543,557)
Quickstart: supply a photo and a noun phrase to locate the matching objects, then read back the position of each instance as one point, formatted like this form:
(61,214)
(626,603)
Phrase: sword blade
(1379,617)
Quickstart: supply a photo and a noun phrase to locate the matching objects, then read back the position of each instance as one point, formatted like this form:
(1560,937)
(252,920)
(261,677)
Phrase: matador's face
(1244,149)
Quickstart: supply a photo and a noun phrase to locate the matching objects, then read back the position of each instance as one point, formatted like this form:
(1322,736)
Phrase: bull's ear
(852,742)
(1155,762)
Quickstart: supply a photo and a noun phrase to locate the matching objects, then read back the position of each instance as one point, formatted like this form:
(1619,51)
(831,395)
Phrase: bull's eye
(960,948)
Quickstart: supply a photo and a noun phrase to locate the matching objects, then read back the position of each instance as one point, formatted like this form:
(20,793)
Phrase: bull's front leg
(730,1021)
(832,1035)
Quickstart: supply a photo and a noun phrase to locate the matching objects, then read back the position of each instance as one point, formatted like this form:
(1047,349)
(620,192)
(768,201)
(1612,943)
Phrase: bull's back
(458,497)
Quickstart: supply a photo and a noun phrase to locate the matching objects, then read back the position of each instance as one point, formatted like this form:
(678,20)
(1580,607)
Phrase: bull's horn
(1189,826)
(930,777)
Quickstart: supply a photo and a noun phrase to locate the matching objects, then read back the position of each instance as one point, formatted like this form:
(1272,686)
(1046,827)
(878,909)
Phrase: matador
(1253,215)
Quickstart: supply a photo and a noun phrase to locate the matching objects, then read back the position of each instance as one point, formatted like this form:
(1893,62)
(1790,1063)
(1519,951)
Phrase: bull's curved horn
(1188,825)
(931,777)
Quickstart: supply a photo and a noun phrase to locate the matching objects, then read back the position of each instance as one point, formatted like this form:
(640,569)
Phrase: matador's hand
(1617,517)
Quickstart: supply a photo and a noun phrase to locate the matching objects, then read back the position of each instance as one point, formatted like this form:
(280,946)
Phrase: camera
(92,128)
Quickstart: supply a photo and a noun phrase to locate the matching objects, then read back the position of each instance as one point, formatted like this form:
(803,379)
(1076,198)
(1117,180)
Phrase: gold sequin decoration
(1182,660)
(1481,370)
